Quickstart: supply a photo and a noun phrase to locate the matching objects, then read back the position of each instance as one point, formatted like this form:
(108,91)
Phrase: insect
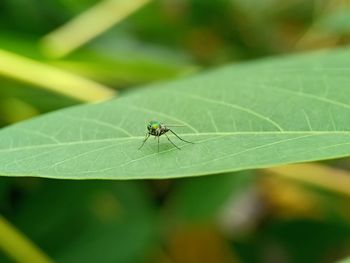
(157,129)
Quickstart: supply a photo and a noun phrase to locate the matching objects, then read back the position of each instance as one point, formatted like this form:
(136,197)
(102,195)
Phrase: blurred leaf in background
(85,221)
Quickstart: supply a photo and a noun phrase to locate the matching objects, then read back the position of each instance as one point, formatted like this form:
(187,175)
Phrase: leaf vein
(237,107)
(162,114)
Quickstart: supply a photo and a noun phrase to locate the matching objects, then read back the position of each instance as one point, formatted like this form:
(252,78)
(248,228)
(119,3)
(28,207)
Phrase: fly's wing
(175,125)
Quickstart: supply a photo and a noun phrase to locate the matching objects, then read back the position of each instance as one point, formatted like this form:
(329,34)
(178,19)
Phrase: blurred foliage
(241,217)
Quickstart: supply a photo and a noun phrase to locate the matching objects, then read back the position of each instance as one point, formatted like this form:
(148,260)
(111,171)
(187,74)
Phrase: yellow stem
(19,247)
(51,78)
(332,179)
(89,25)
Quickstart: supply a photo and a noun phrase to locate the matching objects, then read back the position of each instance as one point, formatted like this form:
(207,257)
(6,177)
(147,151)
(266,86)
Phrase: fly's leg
(158,143)
(147,136)
(171,141)
(179,137)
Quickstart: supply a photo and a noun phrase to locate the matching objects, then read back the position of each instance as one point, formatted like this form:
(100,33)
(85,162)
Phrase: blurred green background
(253,216)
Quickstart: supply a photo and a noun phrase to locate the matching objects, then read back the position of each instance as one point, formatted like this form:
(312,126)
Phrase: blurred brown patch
(204,43)
(199,243)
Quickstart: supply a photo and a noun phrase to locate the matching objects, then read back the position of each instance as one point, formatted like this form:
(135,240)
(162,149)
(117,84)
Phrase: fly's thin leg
(147,136)
(180,137)
(171,141)
(158,143)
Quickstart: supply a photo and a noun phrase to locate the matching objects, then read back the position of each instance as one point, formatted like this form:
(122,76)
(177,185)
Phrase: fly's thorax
(153,126)
(156,128)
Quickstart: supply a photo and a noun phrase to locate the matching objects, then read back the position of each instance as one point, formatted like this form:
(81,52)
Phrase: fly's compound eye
(149,127)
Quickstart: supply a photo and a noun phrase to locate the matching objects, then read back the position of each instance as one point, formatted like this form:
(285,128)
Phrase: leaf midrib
(187,134)
(153,154)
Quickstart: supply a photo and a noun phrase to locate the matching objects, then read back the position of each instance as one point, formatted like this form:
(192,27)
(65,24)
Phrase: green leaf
(254,115)
(346,260)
